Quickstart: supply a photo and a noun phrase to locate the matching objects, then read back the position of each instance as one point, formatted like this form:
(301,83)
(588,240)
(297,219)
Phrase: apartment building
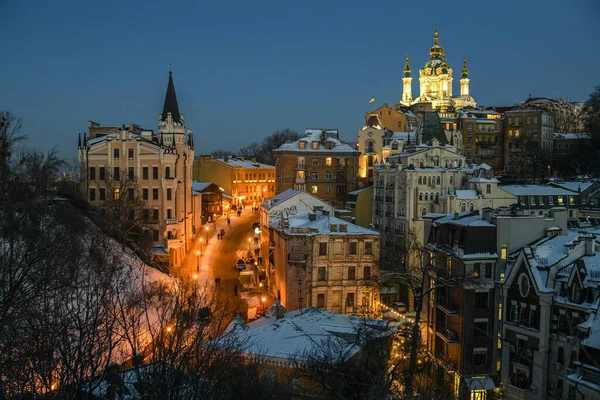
(541,199)
(247,181)
(319,163)
(154,167)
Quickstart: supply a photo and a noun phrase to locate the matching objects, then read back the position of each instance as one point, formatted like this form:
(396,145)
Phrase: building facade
(541,199)
(156,168)
(319,163)
(247,181)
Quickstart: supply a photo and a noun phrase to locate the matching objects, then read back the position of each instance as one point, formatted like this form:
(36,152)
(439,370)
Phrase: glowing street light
(198,262)
(169,329)
(201,247)
(206,235)
(249,243)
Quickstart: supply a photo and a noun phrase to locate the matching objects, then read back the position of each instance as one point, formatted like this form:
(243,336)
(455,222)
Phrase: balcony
(447,335)
(341,167)
(301,166)
(513,392)
(300,180)
(379,184)
(487,144)
(445,362)
(447,307)
(297,258)
(172,221)
(341,178)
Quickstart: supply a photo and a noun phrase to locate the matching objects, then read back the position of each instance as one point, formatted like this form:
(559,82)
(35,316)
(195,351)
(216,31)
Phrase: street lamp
(262,302)
(206,235)
(195,283)
(201,247)
(215,221)
(198,263)
(249,242)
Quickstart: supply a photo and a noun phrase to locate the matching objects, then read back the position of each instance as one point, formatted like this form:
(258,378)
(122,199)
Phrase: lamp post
(215,221)
(198,260)
(249,243)
(262,302)
(206,235)
(201,247)
(195,283)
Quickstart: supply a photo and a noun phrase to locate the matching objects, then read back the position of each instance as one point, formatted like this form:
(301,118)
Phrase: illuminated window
(504,251)
(302,144)
(300,174)
(499,311)
(116,194)
(517,132)
(560,200)
(449,266)
(510,133)
(328,161)
(315,145)
(313,189)
(499,341)
(571,200)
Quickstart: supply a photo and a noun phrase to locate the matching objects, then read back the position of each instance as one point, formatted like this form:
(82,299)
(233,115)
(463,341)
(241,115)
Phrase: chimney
(312,217)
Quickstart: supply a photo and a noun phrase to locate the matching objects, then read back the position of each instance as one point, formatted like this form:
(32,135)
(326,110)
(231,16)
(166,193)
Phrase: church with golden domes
(435,82)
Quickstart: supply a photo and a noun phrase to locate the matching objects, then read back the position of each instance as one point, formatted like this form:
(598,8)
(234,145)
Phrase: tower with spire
(464,80)
(407,85)
(171,123)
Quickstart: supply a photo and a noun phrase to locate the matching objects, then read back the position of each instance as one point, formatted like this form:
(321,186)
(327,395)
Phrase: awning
(480,383)
(160,251)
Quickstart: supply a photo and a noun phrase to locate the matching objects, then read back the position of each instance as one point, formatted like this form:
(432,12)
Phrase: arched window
(463,206)
(420,180)
(423,211)
(429,180)
(471,206)
(451,180)
(370,146)
(426,196)
(395,146)
(437,196)
(438,179)
(421,196)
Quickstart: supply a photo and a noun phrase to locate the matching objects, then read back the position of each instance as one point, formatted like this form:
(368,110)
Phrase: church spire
(171,101)
(407,68)
(465,71)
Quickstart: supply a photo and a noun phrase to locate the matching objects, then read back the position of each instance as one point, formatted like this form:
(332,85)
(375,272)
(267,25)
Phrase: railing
(172,221)
(300,180)
(341,167)
(513,392)
(398,231)
(446,363)
(297,257)
(447,307)
(301,166)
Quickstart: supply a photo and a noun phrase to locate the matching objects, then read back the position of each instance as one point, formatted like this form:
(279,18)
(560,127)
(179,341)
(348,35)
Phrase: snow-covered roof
(300,333)
(484,180)
(200,186)
(402,135)
(558,135)
(236,162)
(467,194)
(573,185)
(321,225)
(360,190)
(474,220)
(536,190)
(283,196)
(314,135)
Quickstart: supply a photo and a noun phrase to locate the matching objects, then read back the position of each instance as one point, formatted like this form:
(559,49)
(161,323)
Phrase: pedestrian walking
(218,282)
(235,290)
(228,222)
(218,236)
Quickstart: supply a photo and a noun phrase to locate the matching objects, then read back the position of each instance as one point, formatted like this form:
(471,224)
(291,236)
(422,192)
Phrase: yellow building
(247,181)
(360,202)
(126,163)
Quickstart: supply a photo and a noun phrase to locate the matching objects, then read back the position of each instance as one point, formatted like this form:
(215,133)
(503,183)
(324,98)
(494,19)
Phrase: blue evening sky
(243,69)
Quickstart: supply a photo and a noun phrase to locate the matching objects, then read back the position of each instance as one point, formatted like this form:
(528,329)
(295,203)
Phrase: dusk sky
(245,69)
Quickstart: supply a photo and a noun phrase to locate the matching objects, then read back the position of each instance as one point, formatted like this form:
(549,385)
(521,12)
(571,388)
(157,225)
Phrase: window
(463,207)
(145,194)
(503,252)
(300,174)
(366,272)
(102,194)
(302,144)
(155,214)
(315,161)
(321,274)
(116,153)
(130,194)
(92,173)
(155,194)
(130,154)
(480,358)
(92,194)
(116,194)
(301,163)
(130,173)
(352,248)
(571,200)
(314,189)
(480,329)
(328,161)
(144,172)
(481,300)
(315,145)
(488,270)
(533,316)
(321,300)
(131,214)
(169,194)
(169,213)
(102,173)
(488,188)
(560,200)
(423,211)
(314,175)
(352,273)
(420,196)
(350,300)
(167,172)
(368,248)
(146,215)
(155,235)
(550,200)
(154,173)
(476,270)
(323,248)
(340,189)
(327,189)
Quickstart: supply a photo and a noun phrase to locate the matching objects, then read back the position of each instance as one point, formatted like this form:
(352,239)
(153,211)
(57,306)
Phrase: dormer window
(302,144)
(329,145)
(315,145)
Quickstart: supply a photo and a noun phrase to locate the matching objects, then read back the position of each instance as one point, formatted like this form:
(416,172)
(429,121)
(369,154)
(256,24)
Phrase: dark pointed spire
(85,139)
(171,101)
(79,139)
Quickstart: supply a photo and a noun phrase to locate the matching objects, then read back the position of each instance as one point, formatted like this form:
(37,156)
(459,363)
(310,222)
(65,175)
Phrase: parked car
(399,307)
(240,265)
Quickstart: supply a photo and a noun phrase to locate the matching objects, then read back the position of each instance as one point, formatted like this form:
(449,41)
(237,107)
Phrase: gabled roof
(171,102)
(537,190)
(572,185)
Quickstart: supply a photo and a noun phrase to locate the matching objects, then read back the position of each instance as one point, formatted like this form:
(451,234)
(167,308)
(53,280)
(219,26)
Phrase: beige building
(319,163)
(156,168)
(247,181)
